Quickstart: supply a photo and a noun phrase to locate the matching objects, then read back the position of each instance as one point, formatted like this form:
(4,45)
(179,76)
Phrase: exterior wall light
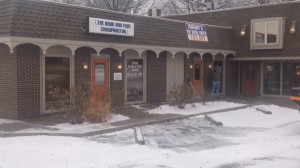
(120,66)
(243,31)
(209,66)
(191,66)
(85,66)
(293,27)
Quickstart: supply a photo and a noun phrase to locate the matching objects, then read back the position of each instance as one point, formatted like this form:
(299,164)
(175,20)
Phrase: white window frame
(265,45)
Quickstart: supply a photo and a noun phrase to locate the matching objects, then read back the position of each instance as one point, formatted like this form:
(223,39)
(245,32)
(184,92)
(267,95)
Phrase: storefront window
(271,78)
(289,78)
(57,81)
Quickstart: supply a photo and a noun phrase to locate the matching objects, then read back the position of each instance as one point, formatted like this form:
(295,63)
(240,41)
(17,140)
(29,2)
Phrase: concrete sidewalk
(116,126)
(138,116)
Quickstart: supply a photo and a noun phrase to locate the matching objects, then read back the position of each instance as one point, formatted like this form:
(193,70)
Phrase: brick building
(137,59)
(267,54)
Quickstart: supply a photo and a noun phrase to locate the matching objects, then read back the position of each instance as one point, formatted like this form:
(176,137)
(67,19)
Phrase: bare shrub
(99,109)
(80,104)
(181,95)
(74,102)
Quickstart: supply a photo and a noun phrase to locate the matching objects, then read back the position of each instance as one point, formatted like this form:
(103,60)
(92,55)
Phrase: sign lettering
(196,32)
(111,27)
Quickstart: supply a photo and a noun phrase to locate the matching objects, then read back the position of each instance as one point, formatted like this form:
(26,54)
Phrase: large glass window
(267,33)
(271,77)
(290,78)
(57,81)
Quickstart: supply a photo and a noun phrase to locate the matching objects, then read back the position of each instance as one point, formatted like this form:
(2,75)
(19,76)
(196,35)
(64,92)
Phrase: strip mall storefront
(268,77)
(132,59)
(125,59)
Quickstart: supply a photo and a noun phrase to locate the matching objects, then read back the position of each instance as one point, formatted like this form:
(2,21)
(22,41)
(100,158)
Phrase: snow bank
(194,109)
(250,117)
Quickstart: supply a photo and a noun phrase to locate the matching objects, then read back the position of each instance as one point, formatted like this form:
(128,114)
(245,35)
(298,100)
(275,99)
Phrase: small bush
(80,104)
(99,109)
(180,95)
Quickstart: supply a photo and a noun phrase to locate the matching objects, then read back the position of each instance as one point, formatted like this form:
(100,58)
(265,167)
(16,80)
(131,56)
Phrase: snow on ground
(195,108)
(86,126)
(76,128)
(7,121)
(249,139)
(251,117)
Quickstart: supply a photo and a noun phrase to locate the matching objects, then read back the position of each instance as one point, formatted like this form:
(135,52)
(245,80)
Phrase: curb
(213,121)
(263,111)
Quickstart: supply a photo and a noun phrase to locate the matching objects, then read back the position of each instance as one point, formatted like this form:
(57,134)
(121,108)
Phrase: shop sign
(111,27)
(196,32)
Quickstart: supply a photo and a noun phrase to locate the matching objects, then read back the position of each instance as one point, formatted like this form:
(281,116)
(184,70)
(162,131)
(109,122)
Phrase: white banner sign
(196,32)
(111,27)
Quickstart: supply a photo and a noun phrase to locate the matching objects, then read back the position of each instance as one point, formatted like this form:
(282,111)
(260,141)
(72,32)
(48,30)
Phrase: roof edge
(235,8)
(120,13)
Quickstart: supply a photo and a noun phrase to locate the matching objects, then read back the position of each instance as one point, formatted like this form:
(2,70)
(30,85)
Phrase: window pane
(197,72)
(272,28)
(290,79)
(100,74)
(271,78)
(57,80)
(259,29)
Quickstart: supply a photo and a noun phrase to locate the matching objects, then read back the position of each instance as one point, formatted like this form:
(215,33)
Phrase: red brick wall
(28,80)
(8,87)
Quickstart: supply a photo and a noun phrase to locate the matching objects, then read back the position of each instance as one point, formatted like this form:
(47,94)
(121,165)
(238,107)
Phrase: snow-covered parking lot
(249,138)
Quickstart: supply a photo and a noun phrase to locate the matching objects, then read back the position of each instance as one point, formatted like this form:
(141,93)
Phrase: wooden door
(197,79)
(100,81)
(250,78)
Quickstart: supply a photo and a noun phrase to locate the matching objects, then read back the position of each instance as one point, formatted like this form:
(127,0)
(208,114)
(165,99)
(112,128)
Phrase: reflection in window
(259,32)
(57,80)
(197,72)
(289,78)
(272,32)
(266,32)
(271,77)
(99,74)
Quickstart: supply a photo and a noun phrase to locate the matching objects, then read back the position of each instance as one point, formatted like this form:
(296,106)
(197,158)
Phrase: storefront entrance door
(135,81)
(197,80)
(100,80)
(250,78)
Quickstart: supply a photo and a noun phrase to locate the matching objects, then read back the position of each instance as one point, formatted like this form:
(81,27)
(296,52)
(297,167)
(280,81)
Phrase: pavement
(137,115)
